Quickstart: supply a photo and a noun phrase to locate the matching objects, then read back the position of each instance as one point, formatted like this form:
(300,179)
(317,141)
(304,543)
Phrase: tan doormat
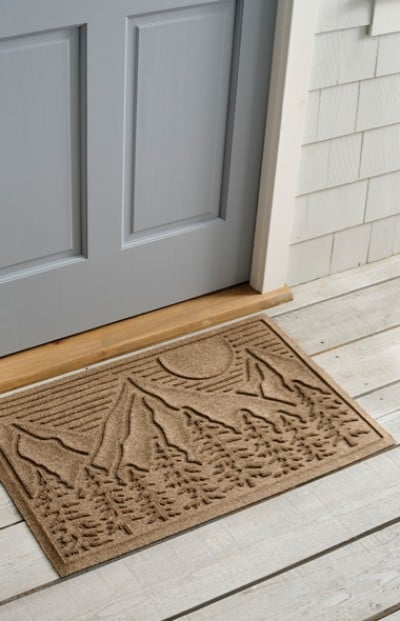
(124,454)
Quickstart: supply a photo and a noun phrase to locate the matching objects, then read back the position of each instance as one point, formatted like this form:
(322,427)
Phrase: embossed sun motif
(164,438)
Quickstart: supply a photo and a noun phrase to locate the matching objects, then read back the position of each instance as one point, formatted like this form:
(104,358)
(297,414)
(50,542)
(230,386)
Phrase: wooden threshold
(128,335)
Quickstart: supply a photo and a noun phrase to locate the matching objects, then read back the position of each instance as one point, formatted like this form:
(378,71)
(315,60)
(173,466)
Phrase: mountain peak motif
(166,441)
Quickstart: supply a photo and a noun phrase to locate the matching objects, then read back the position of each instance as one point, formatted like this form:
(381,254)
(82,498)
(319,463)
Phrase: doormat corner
(118,456)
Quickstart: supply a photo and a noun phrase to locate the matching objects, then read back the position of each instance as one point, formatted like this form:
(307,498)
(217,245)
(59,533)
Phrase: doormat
(112,458)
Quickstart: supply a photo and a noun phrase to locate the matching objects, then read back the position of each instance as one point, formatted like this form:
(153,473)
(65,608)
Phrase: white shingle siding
(329,163)
(385,238)
(388,55)
(340,14)
(379,102)
(314,167)
(310,259)
(343,56)
(350,248)
(337,111)
(312,114)
(328,211)
(383,197)
(380,151)
(347,211)
(344,160)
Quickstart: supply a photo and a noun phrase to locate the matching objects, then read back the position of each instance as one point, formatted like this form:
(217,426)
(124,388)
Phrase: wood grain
(129,335)
(337,112)
(310,259)
(350,248)
(350,317)
(337,14)
(331,57)
(385,238)
(8,512)
(388,56)
(381,151)
(321,213)
(383,197)
(381,401)
(355,582)
(364,365)
(334,286)
(378,103)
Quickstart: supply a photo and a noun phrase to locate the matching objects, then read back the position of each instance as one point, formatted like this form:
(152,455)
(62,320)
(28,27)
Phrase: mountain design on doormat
(116,457)
(161,452)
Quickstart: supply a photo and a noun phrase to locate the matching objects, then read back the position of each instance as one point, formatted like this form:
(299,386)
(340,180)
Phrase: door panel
(131,140)
(40,182)
(179,70)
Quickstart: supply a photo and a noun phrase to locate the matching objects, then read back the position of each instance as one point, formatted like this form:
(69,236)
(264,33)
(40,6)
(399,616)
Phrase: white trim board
(296,23)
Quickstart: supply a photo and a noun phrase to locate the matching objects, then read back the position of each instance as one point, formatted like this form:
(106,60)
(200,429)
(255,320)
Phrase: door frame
(286,112)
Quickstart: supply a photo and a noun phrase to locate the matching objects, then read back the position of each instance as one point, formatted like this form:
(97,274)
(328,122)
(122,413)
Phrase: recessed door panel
(40,153)
(178,77)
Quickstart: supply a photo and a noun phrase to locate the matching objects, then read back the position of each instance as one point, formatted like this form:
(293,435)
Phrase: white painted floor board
(391,422)
(23,564)
(350,584)
(364,365)
(339,284)
(8,512)
(226,554)
(340,320)
(381,401)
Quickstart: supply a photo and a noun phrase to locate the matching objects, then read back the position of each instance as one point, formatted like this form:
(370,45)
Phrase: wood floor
(326,551)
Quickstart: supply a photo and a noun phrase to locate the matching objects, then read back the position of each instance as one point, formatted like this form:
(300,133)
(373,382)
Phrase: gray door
(130,143)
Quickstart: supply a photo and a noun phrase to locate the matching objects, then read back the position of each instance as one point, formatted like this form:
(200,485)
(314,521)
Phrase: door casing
(295,29)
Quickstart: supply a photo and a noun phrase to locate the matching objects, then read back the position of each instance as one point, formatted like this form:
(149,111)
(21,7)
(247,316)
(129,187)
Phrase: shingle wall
(347,211)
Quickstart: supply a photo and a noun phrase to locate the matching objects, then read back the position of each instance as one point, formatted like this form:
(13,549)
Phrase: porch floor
(328,550)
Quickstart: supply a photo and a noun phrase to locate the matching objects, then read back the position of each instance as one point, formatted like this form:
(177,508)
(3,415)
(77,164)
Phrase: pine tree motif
(103,493)
(224,454)
(176,444)
(331,424)
(174,483)
(61,514)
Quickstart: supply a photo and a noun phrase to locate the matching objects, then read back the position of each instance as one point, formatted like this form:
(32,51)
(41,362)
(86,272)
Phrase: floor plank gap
(284,570)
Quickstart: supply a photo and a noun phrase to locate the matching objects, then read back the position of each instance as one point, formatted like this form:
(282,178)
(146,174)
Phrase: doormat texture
(121,455)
